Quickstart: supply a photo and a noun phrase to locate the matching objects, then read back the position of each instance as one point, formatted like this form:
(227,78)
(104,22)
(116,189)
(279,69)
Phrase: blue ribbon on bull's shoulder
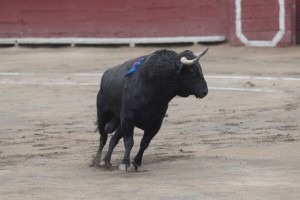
(135,66)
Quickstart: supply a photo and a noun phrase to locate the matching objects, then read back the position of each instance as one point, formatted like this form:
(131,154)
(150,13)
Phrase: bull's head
(191,81)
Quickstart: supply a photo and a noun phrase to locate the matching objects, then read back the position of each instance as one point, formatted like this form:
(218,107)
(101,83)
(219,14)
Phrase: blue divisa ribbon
(135,66)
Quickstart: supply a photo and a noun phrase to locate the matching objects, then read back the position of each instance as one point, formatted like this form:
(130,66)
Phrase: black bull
(141,99)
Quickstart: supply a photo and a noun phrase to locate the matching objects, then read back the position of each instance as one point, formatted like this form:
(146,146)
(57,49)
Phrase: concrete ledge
(129,41)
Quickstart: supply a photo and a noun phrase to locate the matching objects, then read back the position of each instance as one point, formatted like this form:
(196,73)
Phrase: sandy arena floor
(240,142)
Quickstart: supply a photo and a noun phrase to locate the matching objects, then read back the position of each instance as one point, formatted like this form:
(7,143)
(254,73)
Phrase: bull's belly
(145,120)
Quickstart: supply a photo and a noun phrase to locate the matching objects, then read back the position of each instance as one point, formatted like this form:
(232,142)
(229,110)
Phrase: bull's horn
(199,55)
(186,61)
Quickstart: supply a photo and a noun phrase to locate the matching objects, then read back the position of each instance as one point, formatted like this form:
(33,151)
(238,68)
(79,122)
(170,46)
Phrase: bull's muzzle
(202,94)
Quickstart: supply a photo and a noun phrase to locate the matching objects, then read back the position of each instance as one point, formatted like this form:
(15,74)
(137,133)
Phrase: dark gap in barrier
(44,45)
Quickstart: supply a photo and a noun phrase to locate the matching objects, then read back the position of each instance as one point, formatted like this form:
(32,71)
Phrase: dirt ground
(240,142)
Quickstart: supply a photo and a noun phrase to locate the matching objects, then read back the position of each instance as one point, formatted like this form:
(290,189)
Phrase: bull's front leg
(127,132)
(148,136)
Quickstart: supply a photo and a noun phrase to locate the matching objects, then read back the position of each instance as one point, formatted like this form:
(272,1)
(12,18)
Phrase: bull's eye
(189,71)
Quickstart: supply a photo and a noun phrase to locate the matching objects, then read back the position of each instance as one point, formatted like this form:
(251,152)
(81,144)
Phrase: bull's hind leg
(103,117)
(127,127)
(112,144)
(103,138)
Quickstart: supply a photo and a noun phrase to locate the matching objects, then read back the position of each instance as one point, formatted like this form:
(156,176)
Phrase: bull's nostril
(204,93)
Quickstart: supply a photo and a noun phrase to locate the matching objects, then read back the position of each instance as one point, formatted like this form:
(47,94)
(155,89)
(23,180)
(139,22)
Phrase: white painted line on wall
(272,43)
(130,41)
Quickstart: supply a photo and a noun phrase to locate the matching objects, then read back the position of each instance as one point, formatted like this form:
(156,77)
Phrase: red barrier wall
(298,21)
(151,18)
(112,18)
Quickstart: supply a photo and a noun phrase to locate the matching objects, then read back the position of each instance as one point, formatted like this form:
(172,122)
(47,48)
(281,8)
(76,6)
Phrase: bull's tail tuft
(97,125)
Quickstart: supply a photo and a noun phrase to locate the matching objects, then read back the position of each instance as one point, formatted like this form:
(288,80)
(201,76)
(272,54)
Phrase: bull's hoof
(131,168)
(95,164)
(92,164)
(96,161)
(106,165)
(123,167)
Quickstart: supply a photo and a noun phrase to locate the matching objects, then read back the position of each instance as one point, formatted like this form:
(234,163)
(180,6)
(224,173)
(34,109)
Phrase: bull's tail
(97,125)
(105,119)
